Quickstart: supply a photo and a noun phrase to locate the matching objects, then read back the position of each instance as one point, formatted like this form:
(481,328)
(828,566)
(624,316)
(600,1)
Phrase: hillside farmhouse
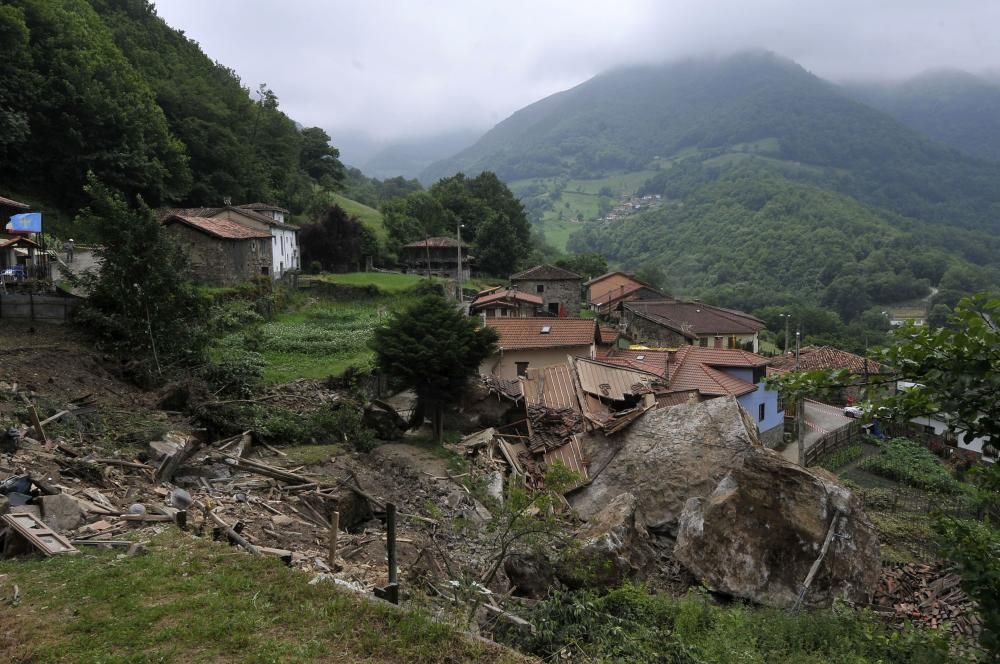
(221,251)
(284,245)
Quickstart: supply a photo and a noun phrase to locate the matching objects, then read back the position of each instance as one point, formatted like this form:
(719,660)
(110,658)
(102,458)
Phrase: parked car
(853,412)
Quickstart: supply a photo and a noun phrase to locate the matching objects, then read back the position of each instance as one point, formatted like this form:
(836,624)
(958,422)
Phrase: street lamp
(787,318)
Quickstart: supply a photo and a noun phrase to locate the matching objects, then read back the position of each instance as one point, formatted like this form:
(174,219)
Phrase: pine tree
(433,348)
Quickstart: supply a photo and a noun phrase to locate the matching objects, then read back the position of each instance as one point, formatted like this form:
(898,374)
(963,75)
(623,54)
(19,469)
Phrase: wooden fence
(36,308)
(834,440)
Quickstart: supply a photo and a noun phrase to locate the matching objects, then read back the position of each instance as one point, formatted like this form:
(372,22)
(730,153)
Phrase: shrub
(630,625)
(842,457)
(236,372)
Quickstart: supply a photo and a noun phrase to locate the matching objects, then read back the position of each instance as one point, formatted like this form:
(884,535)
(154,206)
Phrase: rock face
(759,533)
(666,457)
(612,548)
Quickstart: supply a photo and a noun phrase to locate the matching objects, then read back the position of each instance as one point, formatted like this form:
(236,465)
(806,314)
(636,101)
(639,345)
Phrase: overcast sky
(408,68)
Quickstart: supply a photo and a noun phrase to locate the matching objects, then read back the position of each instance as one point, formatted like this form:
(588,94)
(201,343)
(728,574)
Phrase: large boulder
(611,548)
(665,457)
(758,535)
(62,512)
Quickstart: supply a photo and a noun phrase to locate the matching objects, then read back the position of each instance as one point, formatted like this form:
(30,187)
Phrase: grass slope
(370,217)
(190,600)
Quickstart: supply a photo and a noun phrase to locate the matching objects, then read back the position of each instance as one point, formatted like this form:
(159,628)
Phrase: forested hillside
(643,117)
(750,238)
(106,86)
(954,107)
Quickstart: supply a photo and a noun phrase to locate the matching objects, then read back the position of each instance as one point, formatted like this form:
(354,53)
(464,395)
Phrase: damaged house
(502,302)
(558,288)
(693,373)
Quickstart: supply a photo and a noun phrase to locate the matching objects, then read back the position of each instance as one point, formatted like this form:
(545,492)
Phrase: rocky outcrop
(666,457)
(611,550)
(762,530)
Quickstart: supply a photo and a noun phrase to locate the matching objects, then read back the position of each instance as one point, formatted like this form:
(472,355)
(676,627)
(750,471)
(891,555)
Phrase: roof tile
(546,273)
(516,333)
(223,228)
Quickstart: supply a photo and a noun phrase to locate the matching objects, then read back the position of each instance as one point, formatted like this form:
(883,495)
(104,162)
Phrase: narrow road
(819,419)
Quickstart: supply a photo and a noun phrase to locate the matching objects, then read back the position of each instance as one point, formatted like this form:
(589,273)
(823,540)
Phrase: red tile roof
(609,335)
(696,317)
(653,361)
(613,286)
(9,202)
(812,358)
(222,228)
(10,240)
(505,295)
(694,368)
(519,333)
(546,273)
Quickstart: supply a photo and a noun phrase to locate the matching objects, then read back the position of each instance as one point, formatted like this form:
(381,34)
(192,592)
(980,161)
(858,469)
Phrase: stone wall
(220,261)
(555,292)
(37,308)
(647,332)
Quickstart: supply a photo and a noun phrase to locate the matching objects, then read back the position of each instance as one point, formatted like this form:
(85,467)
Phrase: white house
(284,237)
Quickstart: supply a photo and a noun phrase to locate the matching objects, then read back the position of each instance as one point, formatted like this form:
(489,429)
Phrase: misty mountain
(408,157)
(954,107)
(642,117)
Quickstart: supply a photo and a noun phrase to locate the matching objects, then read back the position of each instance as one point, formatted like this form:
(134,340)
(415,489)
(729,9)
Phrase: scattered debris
(930,595)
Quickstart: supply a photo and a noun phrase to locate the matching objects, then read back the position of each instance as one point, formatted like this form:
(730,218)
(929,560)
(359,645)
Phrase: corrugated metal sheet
(571,456)
(551,387)
(611,382)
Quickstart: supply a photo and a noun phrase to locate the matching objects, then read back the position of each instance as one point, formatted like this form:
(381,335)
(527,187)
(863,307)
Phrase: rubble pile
(927,594)
(552,428)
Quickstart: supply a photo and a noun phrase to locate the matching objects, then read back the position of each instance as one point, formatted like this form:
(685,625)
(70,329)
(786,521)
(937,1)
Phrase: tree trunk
(438,421)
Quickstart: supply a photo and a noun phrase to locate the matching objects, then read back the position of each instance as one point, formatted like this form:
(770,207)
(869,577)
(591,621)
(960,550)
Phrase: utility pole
(459,279)
(799,406)
(788,318)
(427,251)
(798,336)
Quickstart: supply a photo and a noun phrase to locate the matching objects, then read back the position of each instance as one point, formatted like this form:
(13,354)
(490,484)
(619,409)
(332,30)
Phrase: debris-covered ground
(90,462)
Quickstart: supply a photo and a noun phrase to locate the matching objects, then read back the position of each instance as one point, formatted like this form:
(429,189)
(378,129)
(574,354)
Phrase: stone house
(538,342)
(221,251)
(558,288)
(672,323)
(436,257)
(284,236)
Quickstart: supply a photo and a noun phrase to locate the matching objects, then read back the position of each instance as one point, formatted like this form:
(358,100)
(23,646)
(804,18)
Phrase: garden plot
(319,340)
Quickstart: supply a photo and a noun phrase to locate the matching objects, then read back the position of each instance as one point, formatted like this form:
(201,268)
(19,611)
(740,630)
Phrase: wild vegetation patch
(905,461)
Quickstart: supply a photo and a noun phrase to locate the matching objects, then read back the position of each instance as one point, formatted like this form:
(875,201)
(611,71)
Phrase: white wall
(284,251)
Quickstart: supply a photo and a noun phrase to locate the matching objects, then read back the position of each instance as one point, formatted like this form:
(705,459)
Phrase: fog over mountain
(381,72)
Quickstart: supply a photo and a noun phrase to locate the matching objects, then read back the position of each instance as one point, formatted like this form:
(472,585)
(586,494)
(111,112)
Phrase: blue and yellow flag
(29,222)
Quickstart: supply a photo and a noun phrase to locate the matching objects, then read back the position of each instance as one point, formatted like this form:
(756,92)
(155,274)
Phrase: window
(522,368)
(554,308)
(264,270)
(781,403)
(760,413)
(546,329)
(540,288)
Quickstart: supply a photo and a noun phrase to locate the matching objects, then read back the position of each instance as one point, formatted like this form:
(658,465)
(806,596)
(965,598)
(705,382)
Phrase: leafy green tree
(336,241)
(651,273)
(319,159)
(588,265)
(141,304)
(90,111)
(433,348)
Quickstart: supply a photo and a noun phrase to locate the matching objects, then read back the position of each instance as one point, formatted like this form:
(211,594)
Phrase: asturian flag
(29,222)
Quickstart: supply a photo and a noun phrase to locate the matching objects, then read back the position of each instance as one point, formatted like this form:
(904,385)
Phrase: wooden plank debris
(38,534)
